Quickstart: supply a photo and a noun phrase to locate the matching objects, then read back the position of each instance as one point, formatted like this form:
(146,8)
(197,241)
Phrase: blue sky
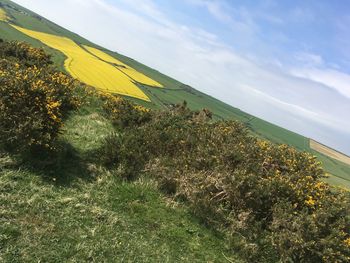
(287,62)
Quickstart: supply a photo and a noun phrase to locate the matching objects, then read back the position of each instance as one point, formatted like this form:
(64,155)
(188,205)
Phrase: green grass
(278,135)
(9,33)
(75,211)
(107,220)
(334,167)
(338,182)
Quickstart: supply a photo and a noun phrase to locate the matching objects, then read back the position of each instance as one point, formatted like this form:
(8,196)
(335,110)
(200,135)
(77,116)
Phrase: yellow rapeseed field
(132,73)
(87,68)
(3,15)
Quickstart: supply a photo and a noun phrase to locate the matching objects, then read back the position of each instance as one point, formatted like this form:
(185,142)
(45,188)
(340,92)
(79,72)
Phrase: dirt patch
(329,152)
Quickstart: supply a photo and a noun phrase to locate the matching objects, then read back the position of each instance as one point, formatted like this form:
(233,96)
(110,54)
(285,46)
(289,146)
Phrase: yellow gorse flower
(347,242)
(310,201)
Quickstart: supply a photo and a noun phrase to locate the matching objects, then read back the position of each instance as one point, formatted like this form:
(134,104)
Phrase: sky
(287,62)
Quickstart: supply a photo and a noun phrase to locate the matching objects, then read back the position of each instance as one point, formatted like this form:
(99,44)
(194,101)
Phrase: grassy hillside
(174,92)
(88,176)
(80,212)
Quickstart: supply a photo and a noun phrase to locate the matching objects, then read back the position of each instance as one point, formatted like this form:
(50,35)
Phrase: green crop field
(174,91)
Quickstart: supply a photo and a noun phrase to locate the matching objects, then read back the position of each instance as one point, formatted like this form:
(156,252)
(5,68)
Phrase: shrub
(33,102)
(24,53)
(320,235)
(270,196)
(123,113)
(127,153)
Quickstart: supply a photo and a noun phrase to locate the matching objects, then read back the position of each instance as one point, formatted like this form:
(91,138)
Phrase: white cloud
(216,8)
(238,19)
(309,59)
(332,78)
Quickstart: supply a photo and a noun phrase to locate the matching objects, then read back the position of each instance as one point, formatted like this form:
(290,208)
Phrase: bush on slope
(268,198)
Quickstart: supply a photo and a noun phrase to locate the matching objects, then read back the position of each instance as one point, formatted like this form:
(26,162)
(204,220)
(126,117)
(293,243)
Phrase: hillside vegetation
(90,176)
(144,79)
(57,204)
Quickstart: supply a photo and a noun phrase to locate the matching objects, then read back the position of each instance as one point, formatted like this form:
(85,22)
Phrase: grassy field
(174,91)
(76,211)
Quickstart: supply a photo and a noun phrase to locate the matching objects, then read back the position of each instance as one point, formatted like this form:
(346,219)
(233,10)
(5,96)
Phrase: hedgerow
(269,199)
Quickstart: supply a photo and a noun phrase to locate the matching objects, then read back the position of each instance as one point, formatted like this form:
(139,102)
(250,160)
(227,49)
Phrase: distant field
(130,72)
(329,152)
(87,68)
(3,15)
(338,182)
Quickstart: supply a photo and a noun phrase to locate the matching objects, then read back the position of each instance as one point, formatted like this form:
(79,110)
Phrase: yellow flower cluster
(141,108)
(347,242)
(310,201)
(53,110)
(298,171)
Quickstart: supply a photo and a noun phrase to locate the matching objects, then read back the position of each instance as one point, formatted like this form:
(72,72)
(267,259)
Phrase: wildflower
(347,242)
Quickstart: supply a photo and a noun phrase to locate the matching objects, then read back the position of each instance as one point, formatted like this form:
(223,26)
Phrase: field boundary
(330,152)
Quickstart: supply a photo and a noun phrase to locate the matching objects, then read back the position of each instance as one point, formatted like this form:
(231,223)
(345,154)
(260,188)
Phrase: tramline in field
(130,72)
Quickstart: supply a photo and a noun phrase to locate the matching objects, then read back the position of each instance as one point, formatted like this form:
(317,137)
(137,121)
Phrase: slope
(82,213)
(174,91)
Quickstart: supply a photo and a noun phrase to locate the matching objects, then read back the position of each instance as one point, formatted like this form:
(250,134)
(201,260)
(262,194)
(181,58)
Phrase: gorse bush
(33,99)
(24,54)
(319,235)
(268,198)
(123,113)
(137,143)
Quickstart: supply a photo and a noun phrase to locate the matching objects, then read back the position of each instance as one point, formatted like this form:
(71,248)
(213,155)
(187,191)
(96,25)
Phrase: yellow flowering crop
(130,72)
(87,68)
(3,15)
